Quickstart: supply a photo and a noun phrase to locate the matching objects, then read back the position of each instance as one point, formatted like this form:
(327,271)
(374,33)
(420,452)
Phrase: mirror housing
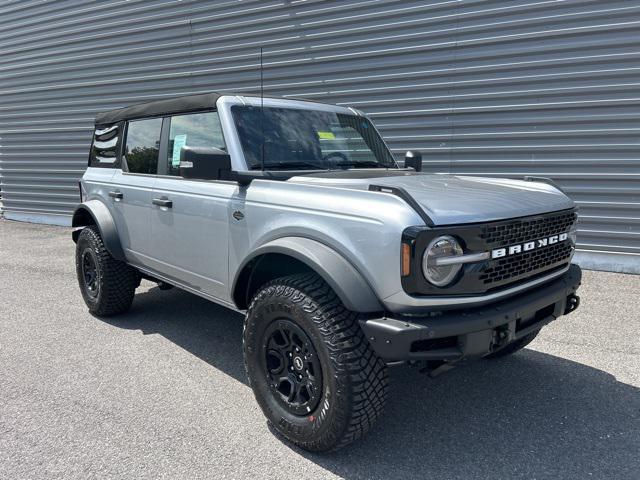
(204,163)
(413,159)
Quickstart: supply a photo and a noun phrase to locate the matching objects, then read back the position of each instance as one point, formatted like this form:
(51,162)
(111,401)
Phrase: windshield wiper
(363,164)
(290,166)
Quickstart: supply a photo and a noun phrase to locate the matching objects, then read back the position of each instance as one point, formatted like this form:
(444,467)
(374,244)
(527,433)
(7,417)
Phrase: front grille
(524,230)
(493,274)
(526,264)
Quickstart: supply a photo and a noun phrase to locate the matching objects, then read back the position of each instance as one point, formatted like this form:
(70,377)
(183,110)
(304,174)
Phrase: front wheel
(311,369)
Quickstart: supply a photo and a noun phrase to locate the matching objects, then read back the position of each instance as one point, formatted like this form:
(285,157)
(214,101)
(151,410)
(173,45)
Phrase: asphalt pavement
(161,392)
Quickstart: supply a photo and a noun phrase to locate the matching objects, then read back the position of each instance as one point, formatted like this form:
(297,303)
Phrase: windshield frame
(234,145)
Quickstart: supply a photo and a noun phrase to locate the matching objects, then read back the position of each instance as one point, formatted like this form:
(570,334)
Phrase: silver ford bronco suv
(296,214)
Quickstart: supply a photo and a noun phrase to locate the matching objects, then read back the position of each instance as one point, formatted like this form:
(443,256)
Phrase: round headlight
(441,272)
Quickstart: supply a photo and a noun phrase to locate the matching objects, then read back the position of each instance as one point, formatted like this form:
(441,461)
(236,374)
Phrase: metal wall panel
(502,88)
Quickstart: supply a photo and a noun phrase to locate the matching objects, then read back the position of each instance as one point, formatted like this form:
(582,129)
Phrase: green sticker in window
(179,141)
(326,135)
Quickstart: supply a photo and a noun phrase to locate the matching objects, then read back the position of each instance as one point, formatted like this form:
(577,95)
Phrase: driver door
(190,217)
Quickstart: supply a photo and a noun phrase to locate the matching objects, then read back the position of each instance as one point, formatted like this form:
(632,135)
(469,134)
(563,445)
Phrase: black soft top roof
(188,103)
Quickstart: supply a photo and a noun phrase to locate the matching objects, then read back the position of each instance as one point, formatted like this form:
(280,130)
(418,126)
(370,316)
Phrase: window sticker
(179,141)
(326,135)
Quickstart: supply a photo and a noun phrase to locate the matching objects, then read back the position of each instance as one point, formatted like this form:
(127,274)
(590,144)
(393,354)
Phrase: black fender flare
(351,287)
(96,212)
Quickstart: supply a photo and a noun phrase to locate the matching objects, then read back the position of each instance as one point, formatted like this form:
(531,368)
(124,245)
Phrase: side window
(105,146)
(143,145)
(193,130)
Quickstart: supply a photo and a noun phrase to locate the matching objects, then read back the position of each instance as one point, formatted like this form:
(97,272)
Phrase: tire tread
(118,280)
(348,347)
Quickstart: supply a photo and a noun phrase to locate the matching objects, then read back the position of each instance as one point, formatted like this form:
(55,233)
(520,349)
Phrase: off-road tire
(354,378)
(116,281)
(514,346)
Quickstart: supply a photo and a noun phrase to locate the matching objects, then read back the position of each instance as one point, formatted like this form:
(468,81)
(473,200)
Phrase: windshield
(297,139)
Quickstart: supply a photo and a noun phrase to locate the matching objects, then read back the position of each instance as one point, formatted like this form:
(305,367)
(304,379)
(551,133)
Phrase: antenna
(261,113)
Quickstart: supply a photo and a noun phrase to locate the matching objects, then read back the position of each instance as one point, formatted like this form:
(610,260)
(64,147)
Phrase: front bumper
(473,332)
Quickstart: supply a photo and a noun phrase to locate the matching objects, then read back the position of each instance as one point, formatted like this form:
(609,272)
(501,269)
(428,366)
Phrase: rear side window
(104,148)
(143,145)
(193,130)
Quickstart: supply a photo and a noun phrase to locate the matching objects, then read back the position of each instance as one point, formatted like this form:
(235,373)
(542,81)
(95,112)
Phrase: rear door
(131,194)
(190,218)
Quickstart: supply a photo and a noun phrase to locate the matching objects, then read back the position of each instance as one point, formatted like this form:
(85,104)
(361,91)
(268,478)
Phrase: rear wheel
(107,285)
(311,369)
(514,346)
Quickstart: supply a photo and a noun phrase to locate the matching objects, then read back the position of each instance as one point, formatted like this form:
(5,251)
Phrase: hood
(450,199)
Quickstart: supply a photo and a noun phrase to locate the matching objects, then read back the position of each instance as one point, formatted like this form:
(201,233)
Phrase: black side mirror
(413,159)
(204,163)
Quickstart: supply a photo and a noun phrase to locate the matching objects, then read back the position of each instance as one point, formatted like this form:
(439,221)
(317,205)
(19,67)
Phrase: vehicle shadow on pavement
(532,415)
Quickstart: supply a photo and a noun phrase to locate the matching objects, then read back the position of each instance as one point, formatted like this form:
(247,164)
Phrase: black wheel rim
(292,367)
(90,273)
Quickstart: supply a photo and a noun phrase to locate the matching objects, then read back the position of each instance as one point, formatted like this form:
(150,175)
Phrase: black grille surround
(494,274)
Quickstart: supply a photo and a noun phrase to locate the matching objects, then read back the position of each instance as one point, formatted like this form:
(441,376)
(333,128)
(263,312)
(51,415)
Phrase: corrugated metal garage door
(505,88)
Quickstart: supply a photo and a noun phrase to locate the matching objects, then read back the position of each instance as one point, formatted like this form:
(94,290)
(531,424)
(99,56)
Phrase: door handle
(116,195)
(162,202)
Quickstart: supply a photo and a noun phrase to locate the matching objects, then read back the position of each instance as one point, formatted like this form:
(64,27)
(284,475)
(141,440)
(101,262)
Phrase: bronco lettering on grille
(527,246)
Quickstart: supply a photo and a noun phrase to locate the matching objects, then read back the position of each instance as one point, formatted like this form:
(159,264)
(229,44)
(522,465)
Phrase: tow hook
(573,302)
(501,336)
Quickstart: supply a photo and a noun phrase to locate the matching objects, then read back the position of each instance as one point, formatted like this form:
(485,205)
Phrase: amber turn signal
(406,259)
